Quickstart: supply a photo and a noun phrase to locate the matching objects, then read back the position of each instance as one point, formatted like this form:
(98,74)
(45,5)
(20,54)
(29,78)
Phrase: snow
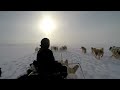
(15,60)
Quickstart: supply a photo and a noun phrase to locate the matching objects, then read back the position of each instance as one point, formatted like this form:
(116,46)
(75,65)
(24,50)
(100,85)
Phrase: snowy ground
(15,60)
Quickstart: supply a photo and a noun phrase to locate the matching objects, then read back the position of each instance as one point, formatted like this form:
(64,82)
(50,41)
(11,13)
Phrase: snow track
(105,68)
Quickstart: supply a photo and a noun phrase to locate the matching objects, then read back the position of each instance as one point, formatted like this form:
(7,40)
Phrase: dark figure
(47,66)
(118,52)
(84,50)
(0,72)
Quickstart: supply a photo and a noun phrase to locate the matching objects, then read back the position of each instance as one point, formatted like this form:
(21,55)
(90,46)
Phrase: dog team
(99,52)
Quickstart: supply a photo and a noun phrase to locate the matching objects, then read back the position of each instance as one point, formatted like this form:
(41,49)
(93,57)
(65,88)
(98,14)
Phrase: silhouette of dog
(115,51)
(69,69)
(73,70)
(92,50)
(97,52)
(83,49)
(63,48)
(54,48)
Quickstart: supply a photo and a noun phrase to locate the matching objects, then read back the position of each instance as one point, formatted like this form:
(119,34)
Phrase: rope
(82,71)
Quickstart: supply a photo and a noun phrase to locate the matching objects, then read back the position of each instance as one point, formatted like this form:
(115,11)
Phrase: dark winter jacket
(45,59)
(45,56)
(47,64)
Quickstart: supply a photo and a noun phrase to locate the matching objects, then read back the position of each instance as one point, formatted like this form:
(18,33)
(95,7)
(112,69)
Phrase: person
(46,64)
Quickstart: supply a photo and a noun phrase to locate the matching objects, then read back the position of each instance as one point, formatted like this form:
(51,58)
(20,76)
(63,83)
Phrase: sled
(33,74)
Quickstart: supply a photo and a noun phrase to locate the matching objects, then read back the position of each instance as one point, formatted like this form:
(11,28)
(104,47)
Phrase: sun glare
(47,24)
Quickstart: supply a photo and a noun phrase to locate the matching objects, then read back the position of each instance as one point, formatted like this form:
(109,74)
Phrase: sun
(47,24)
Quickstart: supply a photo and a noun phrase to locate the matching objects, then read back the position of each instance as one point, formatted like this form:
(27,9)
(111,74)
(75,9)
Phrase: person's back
(45,56)
(46,61)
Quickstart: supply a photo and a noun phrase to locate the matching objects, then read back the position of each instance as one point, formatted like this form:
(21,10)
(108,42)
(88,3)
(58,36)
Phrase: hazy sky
(73,27)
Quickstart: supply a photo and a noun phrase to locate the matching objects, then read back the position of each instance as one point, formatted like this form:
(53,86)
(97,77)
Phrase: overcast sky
(73,27)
